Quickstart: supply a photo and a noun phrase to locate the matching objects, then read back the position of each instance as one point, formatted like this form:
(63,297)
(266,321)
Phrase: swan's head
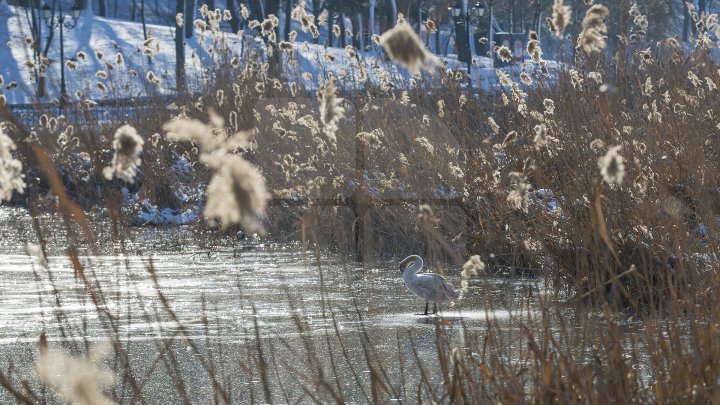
(406,261)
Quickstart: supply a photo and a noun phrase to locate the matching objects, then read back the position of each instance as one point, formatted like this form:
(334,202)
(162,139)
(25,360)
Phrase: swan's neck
(412,270)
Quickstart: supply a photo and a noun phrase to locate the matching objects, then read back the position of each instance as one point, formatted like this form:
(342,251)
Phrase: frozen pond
(334,313)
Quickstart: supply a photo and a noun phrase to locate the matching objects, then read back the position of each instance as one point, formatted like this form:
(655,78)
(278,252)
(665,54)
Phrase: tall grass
(596,176)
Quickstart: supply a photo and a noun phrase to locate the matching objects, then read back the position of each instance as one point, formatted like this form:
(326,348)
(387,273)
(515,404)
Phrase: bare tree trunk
(189,17)
(537,20)
(392,11)
(317,9)
(686,22)
(144,26)
(343,37)
(102,8)
(511,17)
(331,21)
(180,50)
(371,17)
(357,31)
(133,11)
(235,22)
(288,19)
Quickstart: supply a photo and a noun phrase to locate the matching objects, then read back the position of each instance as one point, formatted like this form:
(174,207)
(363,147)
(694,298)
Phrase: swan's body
(428,286)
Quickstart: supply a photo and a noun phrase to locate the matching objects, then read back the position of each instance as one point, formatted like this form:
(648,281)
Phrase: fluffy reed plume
(430,25)
(534,50)
(127,146)
(405,48)
(549,106)
(77,380)
(612,166)
(236,193)
(592,37)
(179,19)
(471,269)
(518,197)
(504,53)
(331,109)
(11,176)
(561,17)
(541,138)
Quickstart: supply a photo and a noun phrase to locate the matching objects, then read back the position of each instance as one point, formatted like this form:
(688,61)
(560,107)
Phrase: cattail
(98,54)
(561,15)
(314,31)
(101,87)
(370,138)
(220,97)
(260,87)
(336,30)
(430,25)
(426,214)
(504,53)
(517,199)
(128,146)
(150,76)
(71,65)
(441,108)
(425,143)
(596,76)
(292,36)
(286,46)
(267,26)
(471,267)
(2,80)
(549,106)
(483,40)
(509,138)
(3,100)
(29,64)
(322,18)
(81,55)
(592,37)
(541,138)
(534,50)
(525,78)
(612,166)
(331,109)
(236,194)
(350,52)
(227,15)
(119,60)
(244,12)
(11,175)
(77,380)
(101,74)
(405,48)
(494,127)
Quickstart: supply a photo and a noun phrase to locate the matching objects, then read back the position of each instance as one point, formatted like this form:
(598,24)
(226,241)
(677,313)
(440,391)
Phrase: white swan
(428,286)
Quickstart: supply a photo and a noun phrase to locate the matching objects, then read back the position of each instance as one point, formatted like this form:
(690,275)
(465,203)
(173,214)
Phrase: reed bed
(596,176)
